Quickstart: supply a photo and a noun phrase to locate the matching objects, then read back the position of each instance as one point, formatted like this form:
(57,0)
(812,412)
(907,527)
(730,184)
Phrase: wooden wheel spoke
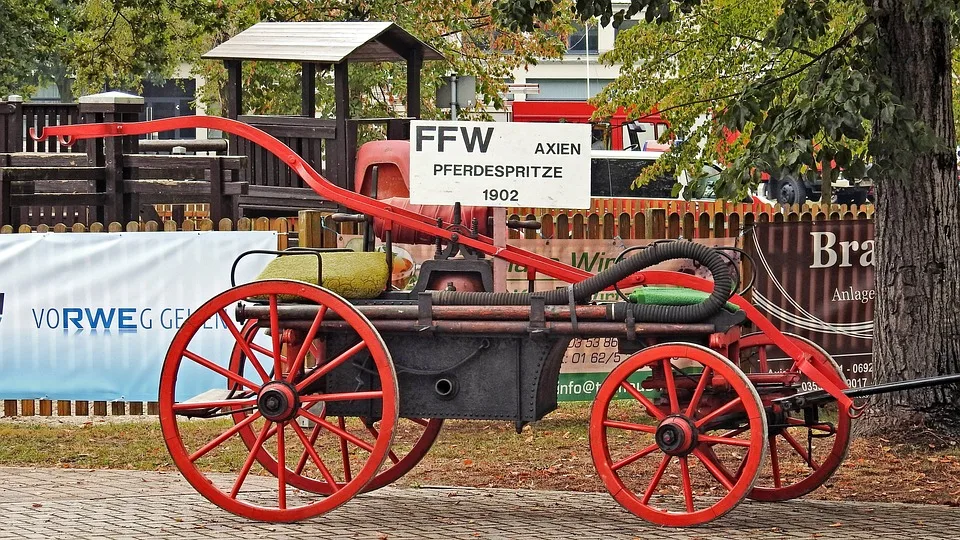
(655,481)
(723,440)
(799,449)
(308,449)
(376,435)
(728,408)
(342,396)
(222,371)
(265,351)
(275,337)
(218,440)
(342,433)
(714,468)
(705,377)
(302,462)
(344,452)
(687,484)
(774,461)
(671,385)
(281,469)
(798,423)
(630,459)
(651,408)
(629,426)
(200,405)
(305,347)
(330,366)
(254,449)
(244,345)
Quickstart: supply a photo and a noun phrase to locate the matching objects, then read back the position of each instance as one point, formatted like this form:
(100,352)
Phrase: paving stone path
(84,504)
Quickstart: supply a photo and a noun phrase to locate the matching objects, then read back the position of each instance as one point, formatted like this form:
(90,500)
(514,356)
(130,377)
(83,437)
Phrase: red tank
(404,235)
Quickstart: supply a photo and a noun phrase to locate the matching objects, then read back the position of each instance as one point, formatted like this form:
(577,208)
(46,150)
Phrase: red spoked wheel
(668,460)
(272,397)
(802,456)
(412,439)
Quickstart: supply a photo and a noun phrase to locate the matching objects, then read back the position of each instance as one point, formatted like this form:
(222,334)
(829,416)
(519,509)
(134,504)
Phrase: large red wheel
(413,437)
(802,456)
(273,395)
(707,420)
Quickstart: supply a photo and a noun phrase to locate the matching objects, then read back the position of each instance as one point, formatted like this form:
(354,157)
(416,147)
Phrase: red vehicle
(336,347)
(614,133)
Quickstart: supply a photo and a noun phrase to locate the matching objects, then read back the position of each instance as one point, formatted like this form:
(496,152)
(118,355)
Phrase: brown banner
(816,280)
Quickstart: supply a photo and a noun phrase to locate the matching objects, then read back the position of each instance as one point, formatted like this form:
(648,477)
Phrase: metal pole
(453,97)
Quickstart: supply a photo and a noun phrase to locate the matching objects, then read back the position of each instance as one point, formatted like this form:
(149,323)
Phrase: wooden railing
(40,189)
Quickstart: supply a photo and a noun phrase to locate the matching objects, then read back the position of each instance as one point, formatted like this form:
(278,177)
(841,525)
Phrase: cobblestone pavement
(83,504)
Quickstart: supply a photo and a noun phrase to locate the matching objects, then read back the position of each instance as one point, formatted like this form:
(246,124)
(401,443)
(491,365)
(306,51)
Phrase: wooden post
(6,211)
(310,233)
(219,204)
(108,153)
(337,162)
(414,65)
(499,240)
(11,138)
(308,90)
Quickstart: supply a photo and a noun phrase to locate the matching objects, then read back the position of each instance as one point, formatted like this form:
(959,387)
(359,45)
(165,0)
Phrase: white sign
(500,164)
(90,316)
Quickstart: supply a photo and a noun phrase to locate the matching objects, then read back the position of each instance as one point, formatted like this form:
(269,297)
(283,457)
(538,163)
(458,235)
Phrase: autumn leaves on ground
(551,454)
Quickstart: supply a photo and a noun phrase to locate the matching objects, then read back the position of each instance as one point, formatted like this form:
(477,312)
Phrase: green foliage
(117,44)
(767,86)
(28,32)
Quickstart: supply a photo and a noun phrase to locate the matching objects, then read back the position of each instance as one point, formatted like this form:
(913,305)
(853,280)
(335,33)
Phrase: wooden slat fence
(630,222)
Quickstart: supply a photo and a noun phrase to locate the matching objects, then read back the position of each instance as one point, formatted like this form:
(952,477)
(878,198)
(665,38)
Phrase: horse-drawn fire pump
(338,384)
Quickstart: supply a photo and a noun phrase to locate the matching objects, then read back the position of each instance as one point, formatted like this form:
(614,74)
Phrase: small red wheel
(270,399)
(703,397)
(413,437)
(802,457)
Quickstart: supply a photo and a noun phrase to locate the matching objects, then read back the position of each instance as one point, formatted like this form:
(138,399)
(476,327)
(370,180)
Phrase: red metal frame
(822,374)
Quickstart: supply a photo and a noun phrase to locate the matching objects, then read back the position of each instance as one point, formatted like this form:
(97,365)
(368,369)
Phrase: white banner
(90,316)
(500,164)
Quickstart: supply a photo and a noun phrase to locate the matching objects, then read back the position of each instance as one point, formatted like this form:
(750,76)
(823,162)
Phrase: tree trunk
(917,329)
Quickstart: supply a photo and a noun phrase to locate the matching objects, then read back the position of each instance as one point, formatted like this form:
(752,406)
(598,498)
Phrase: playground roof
(322,43)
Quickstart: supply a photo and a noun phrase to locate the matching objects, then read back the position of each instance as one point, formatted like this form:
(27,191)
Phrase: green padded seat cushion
(354,275)
(671,296)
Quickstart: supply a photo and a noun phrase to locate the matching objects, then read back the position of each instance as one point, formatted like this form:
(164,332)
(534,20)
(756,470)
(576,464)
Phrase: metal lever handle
(341,217)
(532,224)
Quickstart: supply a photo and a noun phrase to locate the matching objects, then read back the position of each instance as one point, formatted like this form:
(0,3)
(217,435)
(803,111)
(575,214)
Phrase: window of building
(173,98)
(566,89)
(583,40)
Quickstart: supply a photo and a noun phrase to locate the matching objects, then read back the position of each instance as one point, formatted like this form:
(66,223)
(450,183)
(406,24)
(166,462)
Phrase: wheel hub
(676,436)
(278,401)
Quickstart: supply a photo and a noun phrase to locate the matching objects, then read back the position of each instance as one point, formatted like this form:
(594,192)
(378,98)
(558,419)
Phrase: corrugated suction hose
(584,290)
